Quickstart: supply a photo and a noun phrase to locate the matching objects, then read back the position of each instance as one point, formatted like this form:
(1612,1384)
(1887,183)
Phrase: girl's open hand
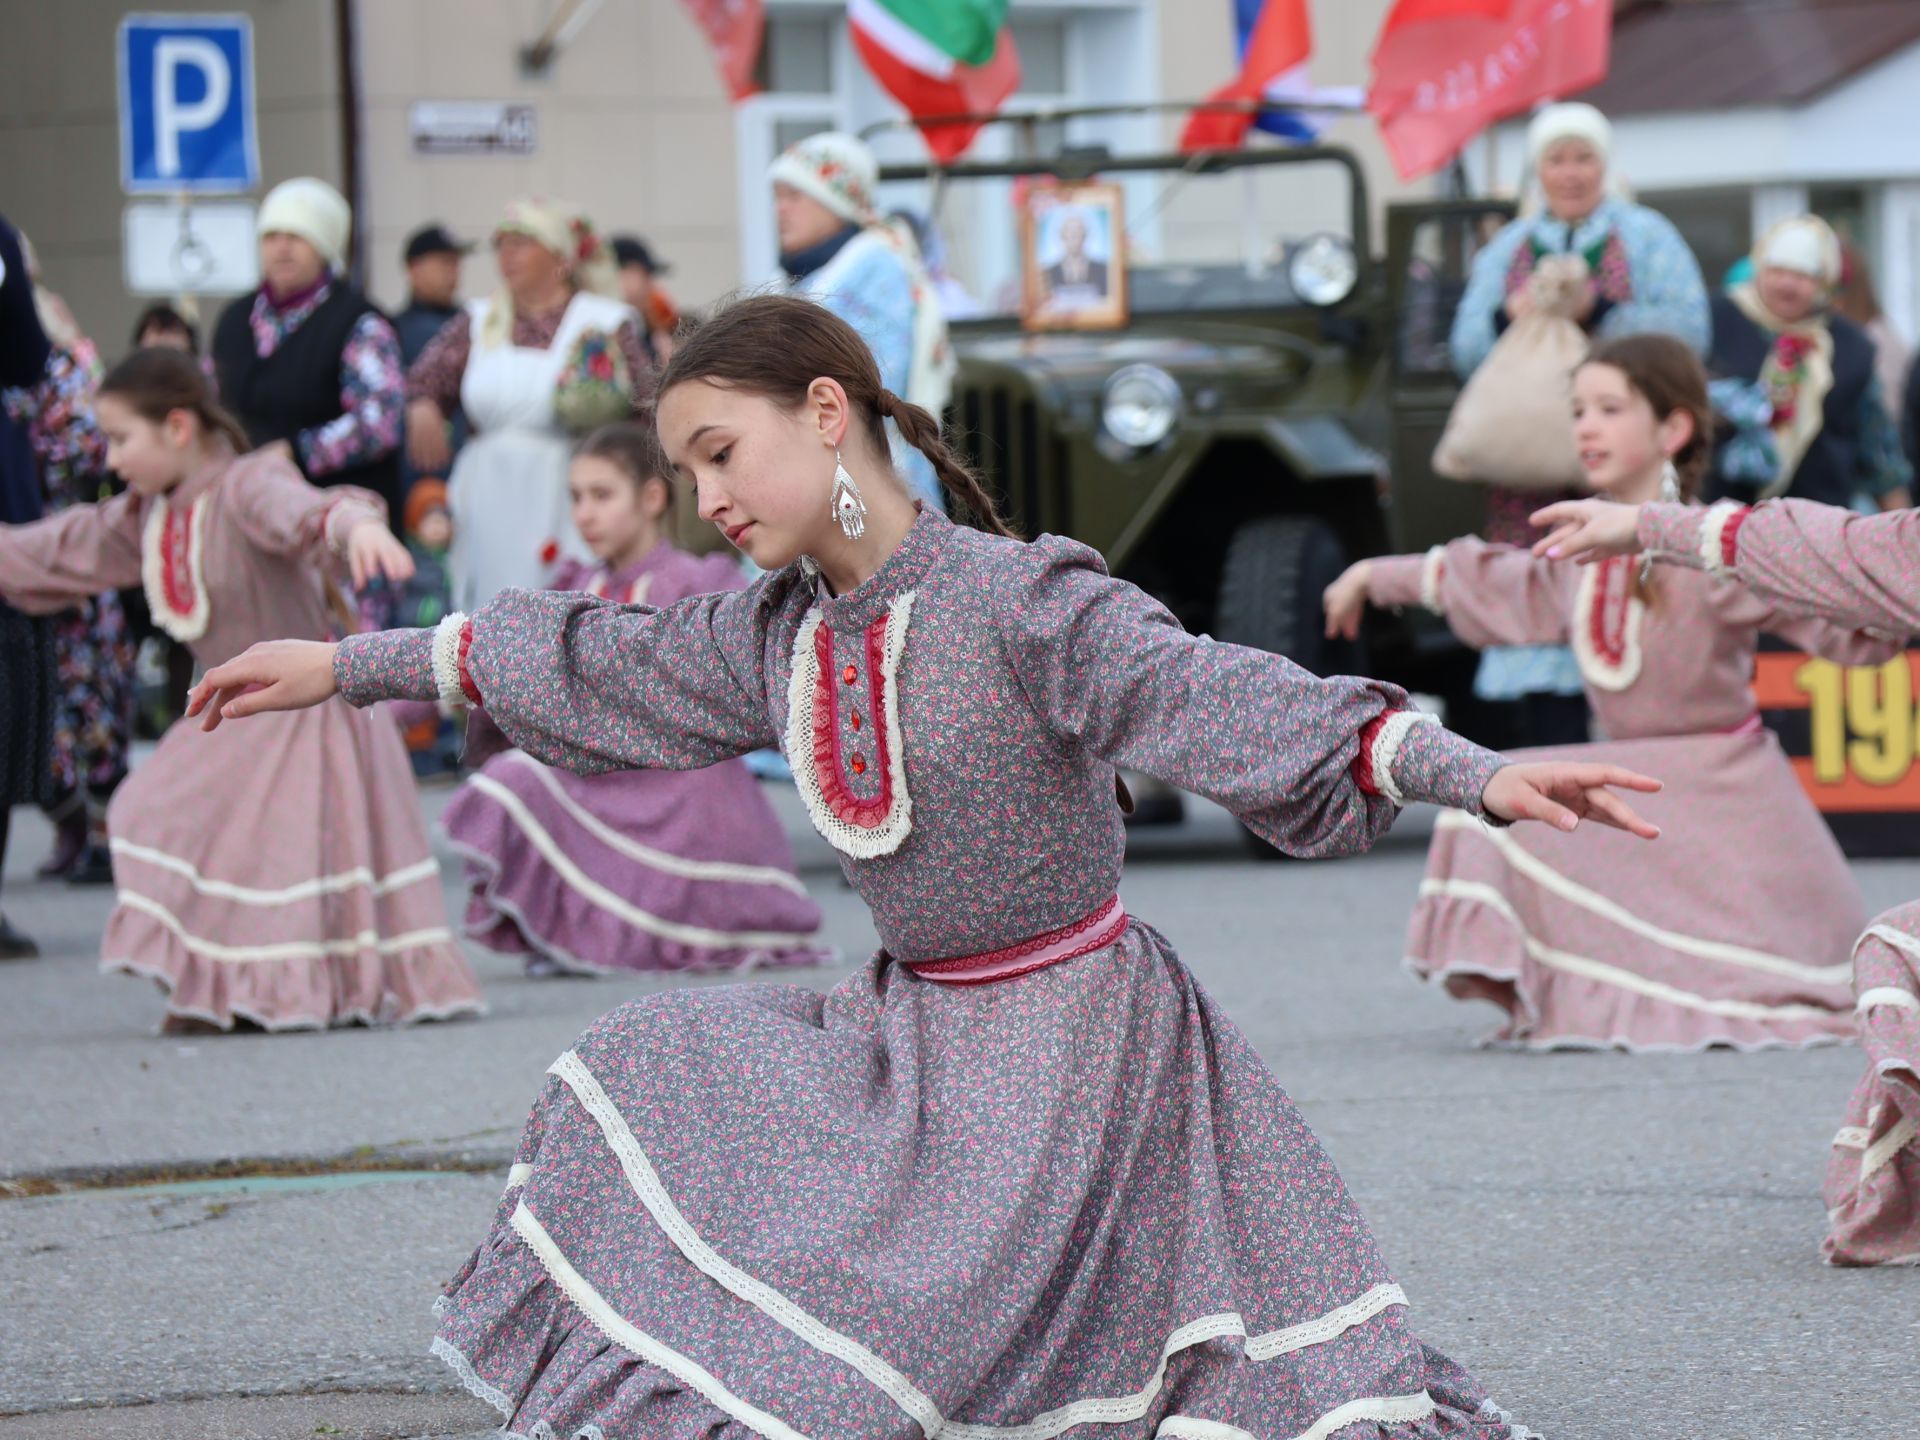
(372,551)
(273,675)
(1562,793)
(1587,530)
(1345,601)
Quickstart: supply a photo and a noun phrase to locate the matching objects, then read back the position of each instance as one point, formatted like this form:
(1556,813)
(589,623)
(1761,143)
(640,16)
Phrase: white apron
(512,518)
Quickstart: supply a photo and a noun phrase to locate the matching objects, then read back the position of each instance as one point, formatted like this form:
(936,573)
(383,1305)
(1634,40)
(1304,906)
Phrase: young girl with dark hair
(637,869)
(284,881)
(1017,1176)
(1853,570)
(1608,945)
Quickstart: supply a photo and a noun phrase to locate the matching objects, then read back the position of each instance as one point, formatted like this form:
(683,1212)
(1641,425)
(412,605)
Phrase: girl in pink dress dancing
(1604,945)
(1854,570)
(313,898)
(637,869)
(1017,1176)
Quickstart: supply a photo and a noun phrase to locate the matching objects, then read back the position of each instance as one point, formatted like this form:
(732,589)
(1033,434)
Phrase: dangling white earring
(845,502)
(1670,483)
(1670,494)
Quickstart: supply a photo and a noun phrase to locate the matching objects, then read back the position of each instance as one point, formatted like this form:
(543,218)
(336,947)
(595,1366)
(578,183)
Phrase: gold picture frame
(1073,257)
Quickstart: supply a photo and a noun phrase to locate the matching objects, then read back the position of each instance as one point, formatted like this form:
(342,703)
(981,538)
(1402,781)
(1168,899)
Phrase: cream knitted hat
(313,210)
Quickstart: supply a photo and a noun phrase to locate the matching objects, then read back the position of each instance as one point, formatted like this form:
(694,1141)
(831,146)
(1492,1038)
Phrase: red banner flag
(1444,70)
(734,28)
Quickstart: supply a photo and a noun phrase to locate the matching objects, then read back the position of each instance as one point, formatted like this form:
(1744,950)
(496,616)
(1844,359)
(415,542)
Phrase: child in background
(640,869)
(287,885)
(1594,946)
(421,600)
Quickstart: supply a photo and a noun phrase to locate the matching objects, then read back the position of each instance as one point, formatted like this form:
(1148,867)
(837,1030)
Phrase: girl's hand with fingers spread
(273,675)
(1562,793)
(1587,530)
(372,551)
(1345,601)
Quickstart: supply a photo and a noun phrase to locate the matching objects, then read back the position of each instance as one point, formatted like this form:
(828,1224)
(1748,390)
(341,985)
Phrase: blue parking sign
(187,104)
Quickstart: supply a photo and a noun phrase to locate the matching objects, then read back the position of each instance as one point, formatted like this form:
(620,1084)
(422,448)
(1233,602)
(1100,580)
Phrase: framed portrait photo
(1073,249)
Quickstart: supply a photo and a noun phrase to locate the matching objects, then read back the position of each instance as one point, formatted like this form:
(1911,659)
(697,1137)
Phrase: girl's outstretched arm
(580,683)
(1487,594)
(1855,570)
(52,564)
(1315,766)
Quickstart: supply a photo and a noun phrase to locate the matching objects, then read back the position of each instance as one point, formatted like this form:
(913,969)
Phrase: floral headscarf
(563,229)
(1798,372)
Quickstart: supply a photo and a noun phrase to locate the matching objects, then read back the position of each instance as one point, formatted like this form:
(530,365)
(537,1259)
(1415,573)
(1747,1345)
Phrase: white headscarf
(562,228)
(313,210)
(1574,120)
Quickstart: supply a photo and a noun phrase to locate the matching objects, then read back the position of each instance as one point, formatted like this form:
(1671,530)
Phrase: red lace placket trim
(828,756)
(1610,602)
(176,560)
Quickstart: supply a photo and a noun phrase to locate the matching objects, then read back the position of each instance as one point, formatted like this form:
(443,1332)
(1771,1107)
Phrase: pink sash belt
(1099,930)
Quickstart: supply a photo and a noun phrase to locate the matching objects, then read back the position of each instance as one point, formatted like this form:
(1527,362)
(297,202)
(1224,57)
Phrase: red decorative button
(850,674)
(859,765)
(854,720)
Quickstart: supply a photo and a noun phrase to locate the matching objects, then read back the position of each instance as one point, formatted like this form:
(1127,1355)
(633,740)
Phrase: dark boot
(14,945)
(69,817)
(95,867)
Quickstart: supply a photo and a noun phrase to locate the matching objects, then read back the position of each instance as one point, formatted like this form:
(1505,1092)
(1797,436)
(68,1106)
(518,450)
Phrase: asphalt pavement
(246,1232)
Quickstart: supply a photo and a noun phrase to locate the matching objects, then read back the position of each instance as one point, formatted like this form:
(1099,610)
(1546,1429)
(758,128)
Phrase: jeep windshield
(1233,231)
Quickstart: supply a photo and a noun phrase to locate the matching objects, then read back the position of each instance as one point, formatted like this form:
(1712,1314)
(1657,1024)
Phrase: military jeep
(1266,412)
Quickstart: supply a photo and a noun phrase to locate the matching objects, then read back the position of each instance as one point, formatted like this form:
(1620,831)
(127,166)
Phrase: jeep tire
(1276,570)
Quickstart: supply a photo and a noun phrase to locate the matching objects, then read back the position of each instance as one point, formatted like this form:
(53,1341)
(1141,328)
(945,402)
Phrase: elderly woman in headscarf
(837,248)
(1799,382)
(553,353)
(1642,277)
(307,361)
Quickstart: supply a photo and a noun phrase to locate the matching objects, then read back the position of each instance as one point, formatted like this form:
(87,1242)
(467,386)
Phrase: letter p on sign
(187,104)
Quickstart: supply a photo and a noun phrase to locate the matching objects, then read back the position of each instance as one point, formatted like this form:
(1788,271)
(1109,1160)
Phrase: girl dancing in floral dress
(312,899)
(1853,570)
(1018,1177)
(639,869)
(1614,945)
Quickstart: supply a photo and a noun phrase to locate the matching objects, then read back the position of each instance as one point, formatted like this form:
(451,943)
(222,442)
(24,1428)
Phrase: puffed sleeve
(1474,328)
(52,564)
(586,684)
(1316,767)
(279,511)
(1861,571)
(1488,594)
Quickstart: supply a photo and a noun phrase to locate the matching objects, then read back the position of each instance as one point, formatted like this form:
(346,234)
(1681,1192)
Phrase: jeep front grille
(997,428)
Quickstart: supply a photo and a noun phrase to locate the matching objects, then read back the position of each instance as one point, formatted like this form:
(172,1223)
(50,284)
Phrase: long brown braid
(920,430)
(778,345)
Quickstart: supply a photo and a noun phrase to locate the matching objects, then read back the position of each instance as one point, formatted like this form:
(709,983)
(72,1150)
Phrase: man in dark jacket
(433,260)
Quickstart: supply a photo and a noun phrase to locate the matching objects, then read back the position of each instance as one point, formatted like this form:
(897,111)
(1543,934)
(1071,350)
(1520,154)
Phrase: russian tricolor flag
(1276,41)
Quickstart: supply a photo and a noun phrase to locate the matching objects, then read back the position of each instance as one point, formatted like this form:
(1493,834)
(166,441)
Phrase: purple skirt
(1073,1203)
(640,870)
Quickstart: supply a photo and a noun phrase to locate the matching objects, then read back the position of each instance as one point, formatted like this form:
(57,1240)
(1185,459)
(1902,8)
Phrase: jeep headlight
(1140,405)
(1323,270)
